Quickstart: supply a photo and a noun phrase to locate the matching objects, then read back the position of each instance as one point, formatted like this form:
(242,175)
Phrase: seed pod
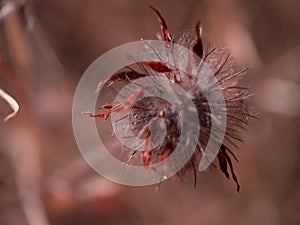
(141,113)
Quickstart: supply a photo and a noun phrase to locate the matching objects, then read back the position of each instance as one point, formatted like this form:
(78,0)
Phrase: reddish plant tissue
(141,112)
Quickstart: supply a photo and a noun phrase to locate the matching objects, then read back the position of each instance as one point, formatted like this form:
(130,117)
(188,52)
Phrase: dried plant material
(12,103)
(235,112)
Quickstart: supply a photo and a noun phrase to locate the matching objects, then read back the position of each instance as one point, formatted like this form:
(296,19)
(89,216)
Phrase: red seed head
(143,111)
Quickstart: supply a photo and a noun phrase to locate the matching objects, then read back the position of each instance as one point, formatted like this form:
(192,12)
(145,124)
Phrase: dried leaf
(12,103)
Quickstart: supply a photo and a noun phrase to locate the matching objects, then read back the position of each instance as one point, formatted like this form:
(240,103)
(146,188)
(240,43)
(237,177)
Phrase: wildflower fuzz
(141,111)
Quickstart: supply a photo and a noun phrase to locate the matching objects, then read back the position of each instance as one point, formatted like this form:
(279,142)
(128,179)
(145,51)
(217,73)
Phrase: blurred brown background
(45,47)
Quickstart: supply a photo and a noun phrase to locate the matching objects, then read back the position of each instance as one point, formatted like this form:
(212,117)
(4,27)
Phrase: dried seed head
(143,111)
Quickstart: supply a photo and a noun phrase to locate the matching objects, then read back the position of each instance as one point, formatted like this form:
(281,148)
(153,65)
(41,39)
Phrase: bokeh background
(45,47)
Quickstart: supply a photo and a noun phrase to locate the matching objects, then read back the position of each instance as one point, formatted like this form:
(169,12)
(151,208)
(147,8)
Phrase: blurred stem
(18,45)
(22,135)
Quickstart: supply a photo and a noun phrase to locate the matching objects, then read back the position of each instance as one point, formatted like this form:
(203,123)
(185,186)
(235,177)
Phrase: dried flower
(143,111)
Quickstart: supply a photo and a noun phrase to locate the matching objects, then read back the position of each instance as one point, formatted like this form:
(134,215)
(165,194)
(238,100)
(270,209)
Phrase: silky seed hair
(227,74)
